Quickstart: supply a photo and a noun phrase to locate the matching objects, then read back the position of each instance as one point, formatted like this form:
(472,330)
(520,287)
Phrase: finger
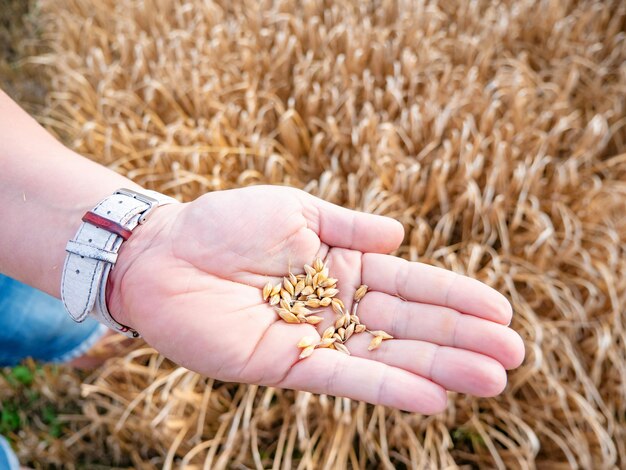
(423,283)
(443,326)
(454,369)
(345,228)
(335,373)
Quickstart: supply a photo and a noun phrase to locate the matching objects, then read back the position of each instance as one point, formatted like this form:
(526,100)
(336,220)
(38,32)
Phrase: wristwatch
(93,252)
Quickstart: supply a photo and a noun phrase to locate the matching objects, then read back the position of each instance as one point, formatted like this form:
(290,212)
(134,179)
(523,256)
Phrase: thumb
(346,228)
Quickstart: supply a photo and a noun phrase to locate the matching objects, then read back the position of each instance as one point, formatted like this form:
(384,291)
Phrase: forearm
(45,189)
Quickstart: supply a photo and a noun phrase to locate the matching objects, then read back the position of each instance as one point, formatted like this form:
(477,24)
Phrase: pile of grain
(494,131)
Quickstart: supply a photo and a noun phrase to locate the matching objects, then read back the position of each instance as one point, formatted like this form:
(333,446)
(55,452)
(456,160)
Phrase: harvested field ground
(494,131)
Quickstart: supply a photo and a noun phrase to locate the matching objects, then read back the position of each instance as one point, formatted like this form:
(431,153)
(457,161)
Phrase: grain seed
(310,270)
(328,332)
(313,303)
(330,293)
(349,331)
(267,290)
(288,286)
(360,293)
(342,348)
(318,264)
(285,295)
(325,342)
(306,352)
(376,340)
(306,341)
(299,288)
(381,333)
(287,315)
(299,308)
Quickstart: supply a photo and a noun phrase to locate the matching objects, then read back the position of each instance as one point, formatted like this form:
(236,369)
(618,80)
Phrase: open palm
(190,282)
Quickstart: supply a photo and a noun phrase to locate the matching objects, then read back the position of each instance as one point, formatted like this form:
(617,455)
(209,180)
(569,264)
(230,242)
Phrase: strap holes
(90,240)
(108,212)
(119,202)
(78,271)
(82,257)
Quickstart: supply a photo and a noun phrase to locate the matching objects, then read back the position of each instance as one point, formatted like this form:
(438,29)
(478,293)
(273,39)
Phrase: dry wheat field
(495,131)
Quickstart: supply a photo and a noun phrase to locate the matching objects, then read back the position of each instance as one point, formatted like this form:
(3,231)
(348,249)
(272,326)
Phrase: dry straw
(494,131)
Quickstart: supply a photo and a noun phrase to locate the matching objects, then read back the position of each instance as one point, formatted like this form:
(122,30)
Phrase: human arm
(189,280)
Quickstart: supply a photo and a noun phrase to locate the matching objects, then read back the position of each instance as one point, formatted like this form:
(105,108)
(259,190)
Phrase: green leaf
(22,374)
(9,418)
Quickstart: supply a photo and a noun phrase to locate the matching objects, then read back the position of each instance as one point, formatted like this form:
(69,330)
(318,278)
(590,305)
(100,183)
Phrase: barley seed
(306,341)
(306,352)
(313,319)
(376,340)
(360,293)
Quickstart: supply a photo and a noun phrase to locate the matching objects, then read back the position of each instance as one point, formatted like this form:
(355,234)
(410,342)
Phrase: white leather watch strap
(93,251)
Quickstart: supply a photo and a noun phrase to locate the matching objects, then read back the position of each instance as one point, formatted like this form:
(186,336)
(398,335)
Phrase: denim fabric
(8,460)
(35,324)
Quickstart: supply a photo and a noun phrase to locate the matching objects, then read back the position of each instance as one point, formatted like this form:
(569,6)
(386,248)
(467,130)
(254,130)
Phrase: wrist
(144,237)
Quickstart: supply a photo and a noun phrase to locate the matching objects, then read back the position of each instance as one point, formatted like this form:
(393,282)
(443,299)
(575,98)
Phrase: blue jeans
(35,324)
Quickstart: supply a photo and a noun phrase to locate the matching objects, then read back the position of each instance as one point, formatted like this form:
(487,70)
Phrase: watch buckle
(152,203)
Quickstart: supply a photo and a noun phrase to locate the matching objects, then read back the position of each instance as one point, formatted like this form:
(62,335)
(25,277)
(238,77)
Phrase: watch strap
(93,251)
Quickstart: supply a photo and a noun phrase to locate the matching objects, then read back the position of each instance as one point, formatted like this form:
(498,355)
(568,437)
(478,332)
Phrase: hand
(190,280)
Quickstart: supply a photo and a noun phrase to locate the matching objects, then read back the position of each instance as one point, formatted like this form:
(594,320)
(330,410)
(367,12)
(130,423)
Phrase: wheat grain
(382,334)
(349,331)
(329,292)
(306,341)
(286,296)
(299,288)
(306,352)
(299,308)
(313,303)
(318,264)
(310,271)
(330,282)
(325,342)
(288,286)
(267,290)
(374,343)
(360,293)
(328,332)
(287,315)
(296,294)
